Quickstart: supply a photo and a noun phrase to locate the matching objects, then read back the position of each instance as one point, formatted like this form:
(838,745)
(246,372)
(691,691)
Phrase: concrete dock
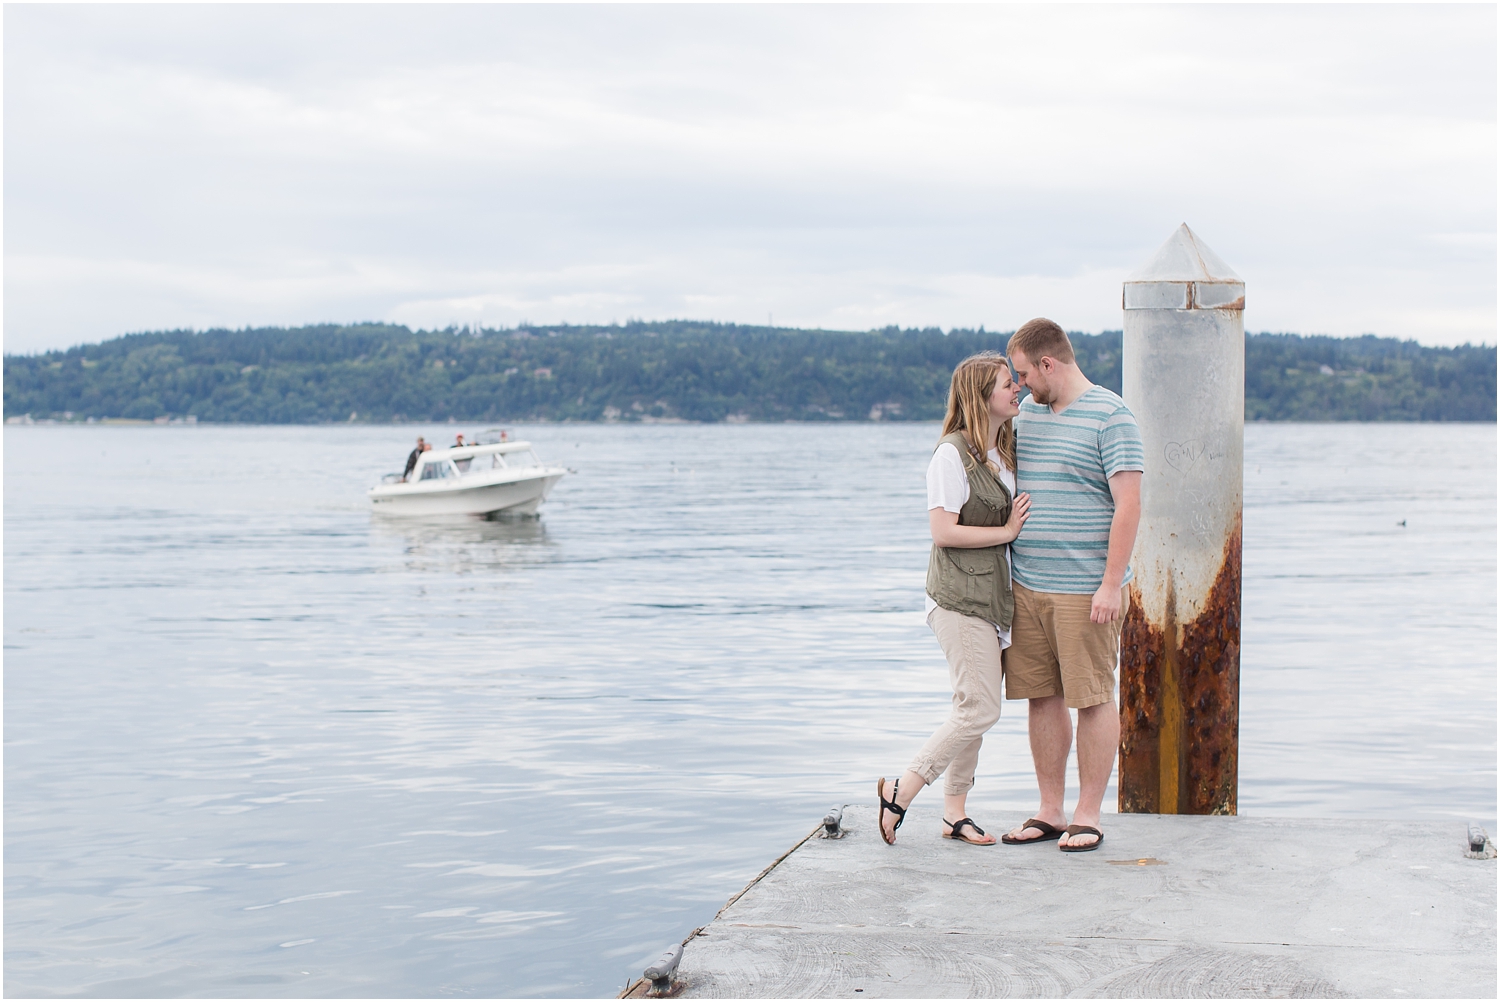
(1169,907)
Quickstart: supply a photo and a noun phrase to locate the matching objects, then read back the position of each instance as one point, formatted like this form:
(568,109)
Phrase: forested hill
(671,370)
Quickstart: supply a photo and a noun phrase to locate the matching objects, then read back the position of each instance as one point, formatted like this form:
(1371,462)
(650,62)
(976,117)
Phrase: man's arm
(1125,487)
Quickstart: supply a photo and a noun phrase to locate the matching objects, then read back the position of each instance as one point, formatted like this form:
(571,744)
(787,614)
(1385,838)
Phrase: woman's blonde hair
(969,408)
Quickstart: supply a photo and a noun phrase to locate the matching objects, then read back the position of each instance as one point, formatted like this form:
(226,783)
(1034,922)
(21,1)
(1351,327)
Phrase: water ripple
(262,743)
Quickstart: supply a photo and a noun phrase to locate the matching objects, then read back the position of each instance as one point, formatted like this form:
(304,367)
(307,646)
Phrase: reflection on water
(463,544)
(261,743)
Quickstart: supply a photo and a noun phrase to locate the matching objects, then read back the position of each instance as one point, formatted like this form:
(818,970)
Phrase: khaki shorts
(1056,651)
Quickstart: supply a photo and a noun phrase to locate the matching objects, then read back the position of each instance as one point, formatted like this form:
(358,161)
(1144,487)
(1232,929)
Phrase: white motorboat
(470,480)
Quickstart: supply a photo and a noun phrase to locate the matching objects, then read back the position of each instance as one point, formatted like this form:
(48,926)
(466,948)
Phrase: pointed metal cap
(1185,275)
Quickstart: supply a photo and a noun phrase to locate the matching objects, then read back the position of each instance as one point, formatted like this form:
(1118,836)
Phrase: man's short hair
(1038,338)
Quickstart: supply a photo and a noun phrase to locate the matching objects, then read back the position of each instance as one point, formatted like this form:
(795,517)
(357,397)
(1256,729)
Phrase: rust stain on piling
(1179,702)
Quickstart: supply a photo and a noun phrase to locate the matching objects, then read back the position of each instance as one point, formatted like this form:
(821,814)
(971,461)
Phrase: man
(411,460)
(1079,456)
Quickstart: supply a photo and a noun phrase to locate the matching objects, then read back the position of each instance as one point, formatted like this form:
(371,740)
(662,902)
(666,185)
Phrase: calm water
(261,743)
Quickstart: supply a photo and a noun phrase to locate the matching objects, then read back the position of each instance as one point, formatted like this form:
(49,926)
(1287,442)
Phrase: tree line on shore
(672,370)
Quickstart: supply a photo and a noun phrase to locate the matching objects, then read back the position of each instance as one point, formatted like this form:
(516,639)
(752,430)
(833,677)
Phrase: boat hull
(518,497)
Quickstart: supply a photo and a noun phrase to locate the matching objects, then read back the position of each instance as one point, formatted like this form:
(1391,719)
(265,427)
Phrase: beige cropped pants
(973,652)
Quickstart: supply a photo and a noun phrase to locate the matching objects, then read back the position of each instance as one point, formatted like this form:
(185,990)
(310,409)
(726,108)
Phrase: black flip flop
(1049,834)
(1083,830)
(889,805)
(957,831)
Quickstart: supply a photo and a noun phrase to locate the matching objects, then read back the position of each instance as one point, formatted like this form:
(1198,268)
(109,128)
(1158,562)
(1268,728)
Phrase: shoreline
(192,421)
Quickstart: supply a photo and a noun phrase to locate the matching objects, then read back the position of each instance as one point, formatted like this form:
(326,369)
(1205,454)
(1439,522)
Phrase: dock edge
(637,988)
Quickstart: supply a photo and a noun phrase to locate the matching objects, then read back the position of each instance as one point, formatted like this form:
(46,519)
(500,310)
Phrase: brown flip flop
(889,805)
(1083,830)
(1049,834)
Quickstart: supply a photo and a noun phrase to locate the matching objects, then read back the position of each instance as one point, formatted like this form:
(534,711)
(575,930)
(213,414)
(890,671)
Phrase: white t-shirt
(948,489)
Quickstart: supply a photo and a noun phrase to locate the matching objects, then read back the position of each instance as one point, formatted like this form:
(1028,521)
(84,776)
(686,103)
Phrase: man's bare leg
(1051,732)
(1098,739)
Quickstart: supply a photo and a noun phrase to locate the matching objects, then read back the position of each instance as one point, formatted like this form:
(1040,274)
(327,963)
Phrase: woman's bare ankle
(907,787)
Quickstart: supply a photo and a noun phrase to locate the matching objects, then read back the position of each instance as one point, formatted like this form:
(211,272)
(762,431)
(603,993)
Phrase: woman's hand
(948,533)
(1019,510)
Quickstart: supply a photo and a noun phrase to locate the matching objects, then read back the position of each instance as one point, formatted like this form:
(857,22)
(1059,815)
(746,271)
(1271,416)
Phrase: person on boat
(974,513)
(459,443)
(411,459)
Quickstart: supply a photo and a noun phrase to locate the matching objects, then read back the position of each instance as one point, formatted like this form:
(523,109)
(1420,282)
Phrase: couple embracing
(1033,509)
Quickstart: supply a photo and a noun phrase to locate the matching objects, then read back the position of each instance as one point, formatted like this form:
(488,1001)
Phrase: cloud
(838,166)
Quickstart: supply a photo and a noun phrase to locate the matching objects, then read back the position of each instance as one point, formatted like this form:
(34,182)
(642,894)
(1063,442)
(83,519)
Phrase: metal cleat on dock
(833,823)
(1480,846)
(660,974)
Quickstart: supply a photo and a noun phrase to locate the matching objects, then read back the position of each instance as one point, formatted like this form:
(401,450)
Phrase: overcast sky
(840,166)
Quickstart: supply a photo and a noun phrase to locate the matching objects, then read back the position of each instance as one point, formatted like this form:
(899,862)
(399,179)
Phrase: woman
(973,513)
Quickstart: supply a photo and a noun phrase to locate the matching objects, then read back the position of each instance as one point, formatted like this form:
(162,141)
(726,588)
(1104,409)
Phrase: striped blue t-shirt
(1064,461)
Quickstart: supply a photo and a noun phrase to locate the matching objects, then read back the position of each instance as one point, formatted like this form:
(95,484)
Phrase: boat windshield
(482,463)
(524,458)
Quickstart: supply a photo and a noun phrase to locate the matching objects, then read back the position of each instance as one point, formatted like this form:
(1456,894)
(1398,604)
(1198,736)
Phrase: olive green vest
(975,582)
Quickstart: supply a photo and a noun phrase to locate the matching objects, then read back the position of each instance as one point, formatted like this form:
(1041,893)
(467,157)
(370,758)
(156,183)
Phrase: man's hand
(1105,608)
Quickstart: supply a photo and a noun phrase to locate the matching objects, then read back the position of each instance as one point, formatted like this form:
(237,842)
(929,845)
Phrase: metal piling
(1184,377)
